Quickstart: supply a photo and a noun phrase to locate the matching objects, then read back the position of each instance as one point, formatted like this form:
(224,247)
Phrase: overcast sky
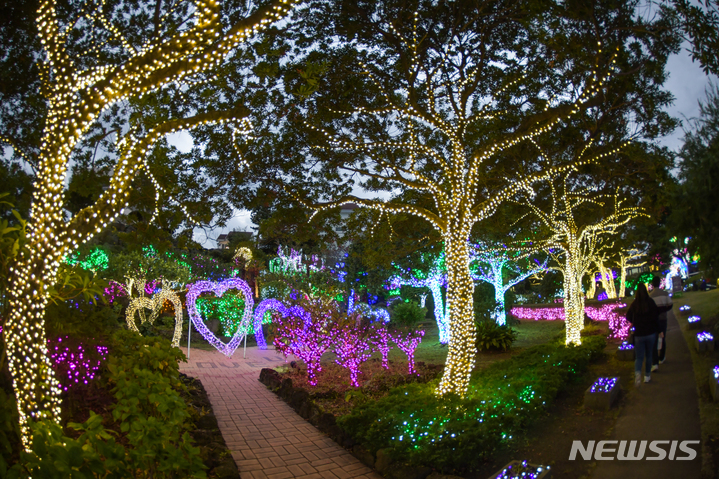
(687,82)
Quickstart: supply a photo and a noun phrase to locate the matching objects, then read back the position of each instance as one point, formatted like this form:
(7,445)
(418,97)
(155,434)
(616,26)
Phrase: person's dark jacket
(646,323)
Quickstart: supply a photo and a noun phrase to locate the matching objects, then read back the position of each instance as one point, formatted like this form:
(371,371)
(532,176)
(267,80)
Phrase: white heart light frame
(219,288)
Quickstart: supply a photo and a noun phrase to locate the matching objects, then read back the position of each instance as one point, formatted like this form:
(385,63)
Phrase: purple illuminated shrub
(300,335)
(352,347)
(73,363)
(705,336)
(408,344)
(618,324)
(113,291)
(380,340)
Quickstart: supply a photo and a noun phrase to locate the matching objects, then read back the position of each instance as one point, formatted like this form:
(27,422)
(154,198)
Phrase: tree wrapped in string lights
(578,221)
(628,258)
(87,68)
(438,125)
(431,275)
(489,265)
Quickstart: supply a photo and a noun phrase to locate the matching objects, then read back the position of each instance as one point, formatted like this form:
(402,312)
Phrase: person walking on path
(661,298)
(643,314)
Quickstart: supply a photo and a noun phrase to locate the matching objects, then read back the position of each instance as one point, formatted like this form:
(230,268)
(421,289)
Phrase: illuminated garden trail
(266,437)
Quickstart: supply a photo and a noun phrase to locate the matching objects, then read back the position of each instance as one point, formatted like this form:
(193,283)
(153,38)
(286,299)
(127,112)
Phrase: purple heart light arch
(219,288)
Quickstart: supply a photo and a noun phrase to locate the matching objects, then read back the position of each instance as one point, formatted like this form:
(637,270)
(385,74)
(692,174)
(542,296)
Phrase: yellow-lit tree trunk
(573,296)
(36,388)
(460,288)
(75,99)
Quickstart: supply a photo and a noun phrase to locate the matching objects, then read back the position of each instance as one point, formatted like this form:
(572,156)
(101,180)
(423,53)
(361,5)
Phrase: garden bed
(407,431)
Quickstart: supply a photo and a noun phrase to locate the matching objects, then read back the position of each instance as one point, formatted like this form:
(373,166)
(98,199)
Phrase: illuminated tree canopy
(443,107)
(577,220)
(94,60)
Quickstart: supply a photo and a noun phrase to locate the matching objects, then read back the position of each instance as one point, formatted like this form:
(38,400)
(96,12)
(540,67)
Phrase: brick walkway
(267,438)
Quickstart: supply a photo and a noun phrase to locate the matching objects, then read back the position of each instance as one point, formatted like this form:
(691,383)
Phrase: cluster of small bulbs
(458,210)
(604,385)
(75,100)
(155,304)
(578,243)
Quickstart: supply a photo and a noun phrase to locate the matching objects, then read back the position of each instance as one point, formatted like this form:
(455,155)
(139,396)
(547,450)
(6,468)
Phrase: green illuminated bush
(453,433)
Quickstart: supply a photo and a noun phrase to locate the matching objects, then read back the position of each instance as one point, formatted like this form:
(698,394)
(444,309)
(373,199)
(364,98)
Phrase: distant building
(224,240)
(347,210)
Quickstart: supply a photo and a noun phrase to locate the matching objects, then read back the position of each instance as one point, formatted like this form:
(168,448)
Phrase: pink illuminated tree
(352,347)
(380,339)
(408,344)
(305,337)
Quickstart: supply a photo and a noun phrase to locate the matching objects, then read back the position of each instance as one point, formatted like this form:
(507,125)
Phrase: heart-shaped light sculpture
(155,304)
(219,288)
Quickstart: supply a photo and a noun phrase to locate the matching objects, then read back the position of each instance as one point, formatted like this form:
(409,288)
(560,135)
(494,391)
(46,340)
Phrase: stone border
(207,435)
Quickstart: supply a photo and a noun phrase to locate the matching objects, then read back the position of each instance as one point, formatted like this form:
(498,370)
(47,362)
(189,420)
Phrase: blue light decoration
(523,470)
(625,346)
(603,385)
(705,336)
(603,296)
(432,275)
(685,307)
(694,319)
(487,264)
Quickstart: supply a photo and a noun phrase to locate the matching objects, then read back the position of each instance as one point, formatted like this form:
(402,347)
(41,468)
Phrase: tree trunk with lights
(573,296)
(75,99)
(463,333)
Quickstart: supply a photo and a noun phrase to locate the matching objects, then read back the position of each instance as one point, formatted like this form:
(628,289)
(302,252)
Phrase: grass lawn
(706,305)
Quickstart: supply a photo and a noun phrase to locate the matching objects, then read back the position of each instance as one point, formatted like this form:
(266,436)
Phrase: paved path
(665,409)
(267,438)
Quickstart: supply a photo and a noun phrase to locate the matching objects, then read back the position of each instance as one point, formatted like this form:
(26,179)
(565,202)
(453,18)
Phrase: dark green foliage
(9,431)
(152,440)
(145,376)
(696,209)
(80,319)
(452,433)
(483,301)
(491,336)
(407,313)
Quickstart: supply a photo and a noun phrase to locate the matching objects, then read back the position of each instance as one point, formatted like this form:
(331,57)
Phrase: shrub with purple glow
(75,365)
(685,307)
(308,338)
(352,347)
(716,372)
(618,324)
(705,336)
(408,344)
(603,385)
(694,319)
(626,346)
(380,339)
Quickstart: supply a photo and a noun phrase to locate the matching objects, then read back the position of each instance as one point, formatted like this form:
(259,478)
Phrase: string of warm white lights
(76,97)
(579,241)
(154,304)
(449,171)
